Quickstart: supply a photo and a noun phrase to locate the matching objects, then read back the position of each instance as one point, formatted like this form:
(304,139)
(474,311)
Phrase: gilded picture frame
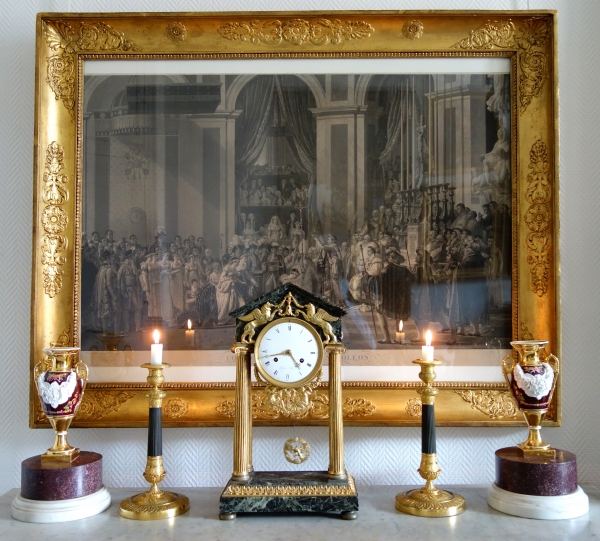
(70,45)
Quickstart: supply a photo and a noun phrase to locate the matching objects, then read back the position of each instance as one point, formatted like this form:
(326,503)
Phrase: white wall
(200,457)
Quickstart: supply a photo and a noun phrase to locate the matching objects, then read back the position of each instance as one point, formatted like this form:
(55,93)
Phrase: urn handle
(38,369)
(553,361)
(508,364)
(82,371)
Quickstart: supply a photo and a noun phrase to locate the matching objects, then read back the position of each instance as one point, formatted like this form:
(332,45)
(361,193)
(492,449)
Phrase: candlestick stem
(429,501)
(155,503)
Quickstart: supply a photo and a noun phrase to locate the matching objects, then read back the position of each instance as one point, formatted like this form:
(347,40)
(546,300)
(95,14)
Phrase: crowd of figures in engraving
(460,273)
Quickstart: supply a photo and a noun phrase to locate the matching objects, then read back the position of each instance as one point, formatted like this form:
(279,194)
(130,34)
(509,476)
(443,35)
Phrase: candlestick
(189,335)
(154,504)
(156,350)
(400,334)
(429,501)
(427,349)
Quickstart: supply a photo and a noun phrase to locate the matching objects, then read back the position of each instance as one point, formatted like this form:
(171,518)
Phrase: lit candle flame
(156,336)
(400,326)
(189,324)
(428,338)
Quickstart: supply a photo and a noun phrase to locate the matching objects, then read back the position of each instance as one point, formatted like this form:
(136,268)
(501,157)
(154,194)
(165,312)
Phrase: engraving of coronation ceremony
(386,195)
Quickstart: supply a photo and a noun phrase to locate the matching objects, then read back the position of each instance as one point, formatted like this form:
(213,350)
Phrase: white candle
(189,335)
(399,334)
(156,349)
(427,349)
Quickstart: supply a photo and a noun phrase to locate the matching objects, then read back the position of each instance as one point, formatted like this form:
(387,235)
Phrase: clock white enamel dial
(288,352)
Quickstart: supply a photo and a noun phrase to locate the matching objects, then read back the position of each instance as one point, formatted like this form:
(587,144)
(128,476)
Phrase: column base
(539,507)
(49,511)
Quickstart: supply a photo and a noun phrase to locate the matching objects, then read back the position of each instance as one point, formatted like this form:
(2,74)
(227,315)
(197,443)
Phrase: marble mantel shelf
(377,519)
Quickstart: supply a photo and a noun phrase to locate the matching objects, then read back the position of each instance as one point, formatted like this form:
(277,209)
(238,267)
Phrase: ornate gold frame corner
(64,40)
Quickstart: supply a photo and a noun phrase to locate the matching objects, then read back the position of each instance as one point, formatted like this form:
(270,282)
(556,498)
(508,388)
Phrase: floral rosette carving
(529,41)
(296,31)
(414,407)
(413,29)
(174,408)
(54,219)
(176,31)
(537,217)
(62,38)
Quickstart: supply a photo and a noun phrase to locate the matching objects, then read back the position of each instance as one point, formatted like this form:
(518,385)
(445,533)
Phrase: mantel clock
(289,331)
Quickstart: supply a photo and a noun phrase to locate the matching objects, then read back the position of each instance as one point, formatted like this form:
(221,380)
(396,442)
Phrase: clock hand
(289,352)
(286,352)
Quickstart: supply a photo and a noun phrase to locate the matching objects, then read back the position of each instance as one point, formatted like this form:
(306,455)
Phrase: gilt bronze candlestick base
(429,501)
(155,503)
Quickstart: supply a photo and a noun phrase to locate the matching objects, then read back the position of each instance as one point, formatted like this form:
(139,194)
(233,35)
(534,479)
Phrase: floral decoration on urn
(60,388)
(532,381)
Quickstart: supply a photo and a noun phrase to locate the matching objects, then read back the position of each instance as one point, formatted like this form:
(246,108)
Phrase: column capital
(242,347)
(335,347)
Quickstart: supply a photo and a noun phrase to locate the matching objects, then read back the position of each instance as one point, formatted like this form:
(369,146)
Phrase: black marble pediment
(302,297)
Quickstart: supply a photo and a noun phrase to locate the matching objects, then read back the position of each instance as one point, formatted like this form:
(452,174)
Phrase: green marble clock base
(290,492)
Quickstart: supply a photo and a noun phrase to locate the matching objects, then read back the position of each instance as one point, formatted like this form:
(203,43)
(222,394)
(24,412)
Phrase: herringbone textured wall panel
(203,457)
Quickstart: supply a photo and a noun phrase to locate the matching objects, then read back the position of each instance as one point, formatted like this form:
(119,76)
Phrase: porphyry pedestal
(537,486)
(61,491)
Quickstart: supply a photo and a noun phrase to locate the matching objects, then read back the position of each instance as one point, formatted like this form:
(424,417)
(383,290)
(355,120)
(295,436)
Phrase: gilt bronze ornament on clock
(289,331)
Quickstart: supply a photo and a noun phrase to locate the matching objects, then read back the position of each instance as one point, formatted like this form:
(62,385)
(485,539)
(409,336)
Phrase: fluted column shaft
(242,424)
(337,469)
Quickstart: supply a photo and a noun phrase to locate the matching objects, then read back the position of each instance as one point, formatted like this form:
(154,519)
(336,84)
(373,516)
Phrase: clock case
(249,491)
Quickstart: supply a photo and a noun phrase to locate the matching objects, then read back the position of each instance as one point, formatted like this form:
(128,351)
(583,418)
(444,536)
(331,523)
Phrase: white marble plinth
(47,511)
(378,520)
(541,507)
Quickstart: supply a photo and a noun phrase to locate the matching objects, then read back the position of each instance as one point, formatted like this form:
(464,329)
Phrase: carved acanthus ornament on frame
(296,31)
(525,334)
(538,218)
(100,403)
(54,219)
(495,404)
(67,41)
(529,41)
(296,405)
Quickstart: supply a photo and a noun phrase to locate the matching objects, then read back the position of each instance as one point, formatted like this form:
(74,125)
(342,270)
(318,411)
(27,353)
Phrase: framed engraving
(403,166)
